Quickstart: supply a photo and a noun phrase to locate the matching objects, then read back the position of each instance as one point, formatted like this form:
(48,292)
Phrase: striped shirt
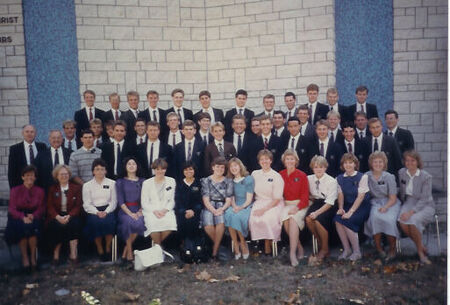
(81,162)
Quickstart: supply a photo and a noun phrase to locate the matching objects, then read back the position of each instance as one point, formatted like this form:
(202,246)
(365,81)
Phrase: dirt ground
(260,280)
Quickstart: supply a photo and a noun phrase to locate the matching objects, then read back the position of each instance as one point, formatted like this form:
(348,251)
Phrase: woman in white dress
(158,201)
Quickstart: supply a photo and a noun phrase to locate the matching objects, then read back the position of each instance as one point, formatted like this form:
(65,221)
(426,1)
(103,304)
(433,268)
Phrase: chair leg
(114,249)
(438,234)
(315,245)
(398,245)
(274,248)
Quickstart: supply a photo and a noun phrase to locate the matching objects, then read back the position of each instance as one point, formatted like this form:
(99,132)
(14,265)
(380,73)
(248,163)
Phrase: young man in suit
(113,153)
(215,114)
(23,154)
(361,96)
(334,132)
(96,126)
(306,129)
(70,141)
(154,149)
(268,141)
(322,146)
(154,113)
(289,100)
(243,141)
(114,113)
(352,144)
(255,126)
(140,129)
(178,99)
(204,123)
(298,143)
(333,105)
(190,149)
(269,104)
(317,111)
(217,148)
(403,137)
(174,135)
(279,123)
(49,158)
(88,113)
(380,142)
(130,116)
(241,100)
(362,130)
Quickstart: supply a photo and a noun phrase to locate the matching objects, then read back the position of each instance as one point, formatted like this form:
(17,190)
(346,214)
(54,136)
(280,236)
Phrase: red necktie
(91,117)
(266,143)
(117,115)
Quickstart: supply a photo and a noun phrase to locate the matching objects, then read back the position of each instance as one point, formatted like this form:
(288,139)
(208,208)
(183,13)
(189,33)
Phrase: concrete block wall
(420,79)
(13,84)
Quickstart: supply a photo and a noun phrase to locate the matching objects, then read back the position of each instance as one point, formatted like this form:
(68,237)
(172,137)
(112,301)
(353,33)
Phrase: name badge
(380,182)
(296,180)
(332,157)
(106,186)
(270,180)
(195,188)
(403,181)
(273,151)
(57,194)
(168,188)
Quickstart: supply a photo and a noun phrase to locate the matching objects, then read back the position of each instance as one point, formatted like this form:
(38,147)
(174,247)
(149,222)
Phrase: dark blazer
(367,133)
(287,113)
(44,165)
(404,139)
(199,137)
(275,146)
(284,134)
(229,119)
(310,131)
(321,113)
(128,150)
(211,152)
(165,152)
(333,156)
(109,116)
(302,149)
(162,120)
(343,112)
(166,135)
(361,151)
(179,158)
(129,118)
(74,200)
(371,111)
(246,154)
(392,151)
(339,137)
(188,115)
(83,121)
(17,160)
(77,141)
(218,115)
(188,197)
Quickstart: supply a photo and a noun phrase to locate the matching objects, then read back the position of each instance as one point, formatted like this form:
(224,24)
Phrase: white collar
(190,141)
(237,135)
(156,141)
(380,137)
(393,130)
(352,175)
(120,143)
(238,108)
(415,175)
(324,141)
(64,188)
(53,149)
(88,149)
(295,137)
(176,108)
(174,133)
(352,142)
(218,142)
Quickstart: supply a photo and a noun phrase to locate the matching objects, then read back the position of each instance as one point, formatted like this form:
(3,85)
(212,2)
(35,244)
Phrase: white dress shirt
(352,143)
(235,140)
(325,146)
(296,138)
(326,188)
(152,111)
(138,139)
(237,110)
(178,138)
(313,110)
(203,135)
(279,131)
(181,114)
(358,107)
(186,146)
(87,112)
(26,146)
(99,194)
(358,131)
(135,112)
(394,130)
(410,186)
(221,143)
(303,128)
(379,141)
(115,153)
(60,155)
(155,152)
(73,142)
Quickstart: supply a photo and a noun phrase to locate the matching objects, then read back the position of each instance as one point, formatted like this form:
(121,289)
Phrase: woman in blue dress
(354,206)
(236,217)
(131,221)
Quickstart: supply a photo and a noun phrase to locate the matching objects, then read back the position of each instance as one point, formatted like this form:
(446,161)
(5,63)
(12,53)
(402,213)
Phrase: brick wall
(13,85)
(420,78)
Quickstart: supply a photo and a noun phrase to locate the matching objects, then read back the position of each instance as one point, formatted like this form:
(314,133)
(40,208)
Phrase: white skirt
(299,217)
(154,224)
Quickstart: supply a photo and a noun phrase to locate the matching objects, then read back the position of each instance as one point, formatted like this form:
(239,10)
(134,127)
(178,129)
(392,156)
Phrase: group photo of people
(337,174)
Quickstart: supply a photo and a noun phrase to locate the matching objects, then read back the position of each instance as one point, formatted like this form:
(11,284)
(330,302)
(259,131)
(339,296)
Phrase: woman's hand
(135,216)
(218,212)
(383,209)
(407,215)
(293,210)
(348,214)
(189,214)
(101,214)
(313,215)
(237,209)
(26,219)
(340,212)
(259,212)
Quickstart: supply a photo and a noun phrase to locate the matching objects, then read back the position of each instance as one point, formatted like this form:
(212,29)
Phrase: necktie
(91,117)
(97,143)
(375,145)
(301,127)
(116,117)
(56,158)
(118,159)
(150,161)
(240,111)
(361,135)
(310,113)
(69,146)
(331,109)
(391,133)
(189,153)
(173,141)
(239,144)
(292,143)
(154,116)
(266,143)
(31,153)
(350,149)
(221,153)
(362,108)
(205,140)
(332,136)
(317,185)
(141,141)
(179,114)
(269,115)
(322,150)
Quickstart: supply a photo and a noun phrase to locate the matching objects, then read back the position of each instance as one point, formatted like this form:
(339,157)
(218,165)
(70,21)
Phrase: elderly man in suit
(219,147)
(361,105)
(130,116)
(241,100)
(215,114)
(88,113)
(403,137)
(23,154)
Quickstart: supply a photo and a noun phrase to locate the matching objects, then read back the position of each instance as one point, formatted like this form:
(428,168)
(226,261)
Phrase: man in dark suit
(116,151)
(130,116)
(215,114)
(298,143)
(140,129)
(243,141)
(380,142)
(154,113)
(46,160)
(306,129)
(279,123)
(270,142)
(217,148)
(174,135)
(70,141)
(190,149)
(114,113)
(241,99)
(369,109)
(334,133)
(182,112)
(317,111)
(362,130)
(332,99)
(23,154)
(154,149)
(88,113)
(403,137)
(322,146)
(204,123)
(269,104)
(289,100)
(354,145)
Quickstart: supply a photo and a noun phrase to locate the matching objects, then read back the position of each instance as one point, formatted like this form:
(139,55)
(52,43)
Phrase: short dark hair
(203,115)
(177,90)
(219,161)
(139,120)
(279,112)
(293,118)
(153,92)
(189,164)
(124,167)
(348,124)
(120,123)
(28,169)
(303,107)
(89,92)
(360,113)
(188,123)
(153,123)
(204,92)
(362,88)
(240,92)
(391,111)
(83,132)
(98,162)
(290,94)
(312,87)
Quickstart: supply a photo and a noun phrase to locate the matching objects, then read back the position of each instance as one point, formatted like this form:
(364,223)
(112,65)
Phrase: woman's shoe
(355,256)
(237,256)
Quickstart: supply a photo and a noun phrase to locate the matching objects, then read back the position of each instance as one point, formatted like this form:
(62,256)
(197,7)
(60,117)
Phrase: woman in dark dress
(130,218)
(63,213)
(25,211)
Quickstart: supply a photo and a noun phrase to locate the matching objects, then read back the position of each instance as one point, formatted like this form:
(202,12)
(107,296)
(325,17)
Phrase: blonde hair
(243,170)
(290,152)
(217,125)
(378,155)
(265,152)
(319,161)
(58,168)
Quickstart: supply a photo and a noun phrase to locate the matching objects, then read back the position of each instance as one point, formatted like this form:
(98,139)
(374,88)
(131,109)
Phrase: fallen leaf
(365,269)
(185,268)
(25,291)
(319,275)
(356,301)
(313,261)
(294,298)
(213,280)
(155,302)
(232,278)
(203,276)
(389,269)
(31,286)
(377,262)
(132,296)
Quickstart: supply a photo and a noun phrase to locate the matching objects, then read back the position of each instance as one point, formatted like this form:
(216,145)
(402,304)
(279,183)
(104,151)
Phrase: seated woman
(236,217)
(264,222)
(158,201)
(323,194)
(418,206)
(354,205)
(25,211)
(130,218)
(100,202)
(63,213)
(385,206)
(188,203)
(295,193)
(217,191)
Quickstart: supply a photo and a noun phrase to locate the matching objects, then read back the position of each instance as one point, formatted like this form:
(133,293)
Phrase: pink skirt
(267,226)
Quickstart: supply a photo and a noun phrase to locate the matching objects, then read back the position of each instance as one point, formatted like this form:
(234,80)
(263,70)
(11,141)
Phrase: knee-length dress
(129,194)
(295,188)
(239,220)
(217,193)
(188,197)
(158,196)
(268,187)
(416,195)
(380,190)
(351,186)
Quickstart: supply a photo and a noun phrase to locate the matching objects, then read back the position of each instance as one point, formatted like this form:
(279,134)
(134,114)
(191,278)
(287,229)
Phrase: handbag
(149,257)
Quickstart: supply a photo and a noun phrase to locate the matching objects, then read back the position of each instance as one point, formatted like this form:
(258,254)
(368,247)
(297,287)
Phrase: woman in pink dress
(264,222)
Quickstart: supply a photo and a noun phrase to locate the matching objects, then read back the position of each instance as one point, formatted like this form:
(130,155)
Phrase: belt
(131,204)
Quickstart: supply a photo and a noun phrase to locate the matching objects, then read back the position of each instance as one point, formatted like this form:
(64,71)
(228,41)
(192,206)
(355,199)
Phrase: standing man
(369,109)
(154,113)
(190,149)
(243,141)
(279,122)
(289,100)
(316,110)
(403,137)
(268,141)
(80,161)
(182,112)
(298,143)
(23,154)
(269,104)
(306,129)
(83,116)
(241,100)
(130,116)
(174,136)
(139,128)
(334,132)
(70,141)
(203,134)
(362,130)
(219,147)
(114,113)
(354,145)
(205,100)
(97,128)
(332,99)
